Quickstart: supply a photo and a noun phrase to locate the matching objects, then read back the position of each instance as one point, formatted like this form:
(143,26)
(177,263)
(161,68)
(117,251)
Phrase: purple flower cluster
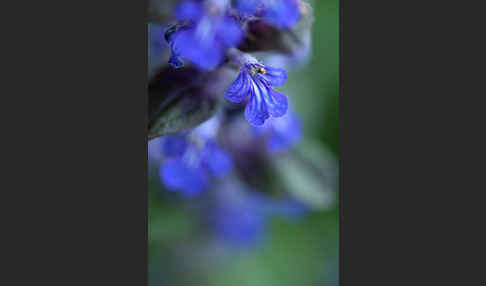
(208,31)
(192,160)
(190,171)
(240,216)
(211,40)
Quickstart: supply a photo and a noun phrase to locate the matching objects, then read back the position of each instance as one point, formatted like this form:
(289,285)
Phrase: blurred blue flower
(206,34)
(239,224)
(280,134)
(256,80)
(174,145)
(192,159)
(185,175)
(241,217)
(190,172)
(279,13)
(237,219)
(167,146)
(284,133)
(215,160)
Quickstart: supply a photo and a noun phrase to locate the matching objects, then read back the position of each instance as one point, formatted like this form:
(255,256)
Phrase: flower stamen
(259,70)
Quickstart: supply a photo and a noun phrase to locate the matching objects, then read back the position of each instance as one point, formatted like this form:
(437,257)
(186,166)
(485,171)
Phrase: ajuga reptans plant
(222,131)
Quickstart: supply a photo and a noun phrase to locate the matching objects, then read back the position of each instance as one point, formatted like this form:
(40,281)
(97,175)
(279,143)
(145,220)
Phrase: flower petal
(276,102)
(240,224)
(248,7)
(216,160)
(282,14)
(285,133)
(178,176)
(174,59)
(256,110)
(274,76)
(200,51)
(240,88)
(229,32)
(174,145)
(190,10)
(175,62)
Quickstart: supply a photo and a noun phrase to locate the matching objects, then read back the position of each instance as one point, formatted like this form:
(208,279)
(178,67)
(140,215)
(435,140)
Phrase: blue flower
(204,37)
(238,221)
(241,217)
(280,134)
(174,145)
(281,14)
(160,147)
(239,224)
(181,175)
(216,160)
(189,166)
(256,80)
(284,133)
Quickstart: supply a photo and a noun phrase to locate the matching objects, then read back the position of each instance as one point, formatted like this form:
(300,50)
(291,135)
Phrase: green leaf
(309,173)
(187,111)
(181,99)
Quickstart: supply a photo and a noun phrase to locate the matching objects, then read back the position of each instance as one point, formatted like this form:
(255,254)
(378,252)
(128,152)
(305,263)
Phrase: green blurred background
(297,253)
